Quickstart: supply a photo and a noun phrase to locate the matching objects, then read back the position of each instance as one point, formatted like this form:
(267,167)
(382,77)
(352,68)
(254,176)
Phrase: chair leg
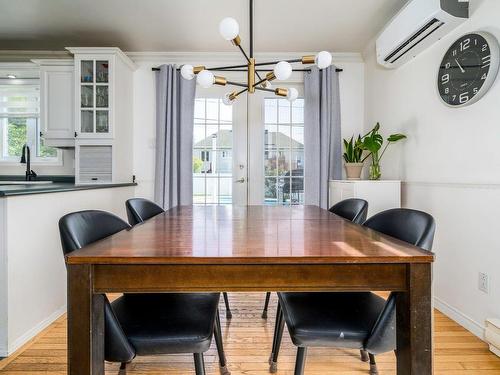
(220,346)
(276,322)
(364,355)
(279,335)
(199,364)
(300,361)
(229,314)
(373,365)
(266,305)
(123,368)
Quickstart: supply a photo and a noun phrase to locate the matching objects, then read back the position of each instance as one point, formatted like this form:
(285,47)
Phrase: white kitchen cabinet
(56,102)
(380,195)
(103,105)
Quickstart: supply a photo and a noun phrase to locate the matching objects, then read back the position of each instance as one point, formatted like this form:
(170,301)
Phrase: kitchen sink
(25,182)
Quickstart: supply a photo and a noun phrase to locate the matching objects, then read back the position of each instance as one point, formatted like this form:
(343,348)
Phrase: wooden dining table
(248,249)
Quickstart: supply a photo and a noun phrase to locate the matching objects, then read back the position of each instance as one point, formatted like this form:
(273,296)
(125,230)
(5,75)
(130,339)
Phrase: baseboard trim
(34,331)
(465,321)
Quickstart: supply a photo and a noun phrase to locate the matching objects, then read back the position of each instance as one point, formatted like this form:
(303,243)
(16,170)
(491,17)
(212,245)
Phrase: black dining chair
(147,324)
(140,210)
(359,320)
(352,209)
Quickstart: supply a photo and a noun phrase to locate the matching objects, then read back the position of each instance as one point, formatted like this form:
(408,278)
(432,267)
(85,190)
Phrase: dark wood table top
(248,235)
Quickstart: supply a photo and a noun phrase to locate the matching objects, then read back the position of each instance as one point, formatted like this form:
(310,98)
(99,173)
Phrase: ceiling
(192,25)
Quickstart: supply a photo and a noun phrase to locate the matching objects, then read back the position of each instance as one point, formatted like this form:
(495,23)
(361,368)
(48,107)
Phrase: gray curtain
(174,138)
(322,137)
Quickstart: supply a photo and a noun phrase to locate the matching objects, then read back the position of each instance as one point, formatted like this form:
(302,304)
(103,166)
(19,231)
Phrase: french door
(251,152)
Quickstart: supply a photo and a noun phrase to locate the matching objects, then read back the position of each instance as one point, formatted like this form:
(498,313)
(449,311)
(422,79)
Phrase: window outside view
(284,152)
(19,123)
(212,152)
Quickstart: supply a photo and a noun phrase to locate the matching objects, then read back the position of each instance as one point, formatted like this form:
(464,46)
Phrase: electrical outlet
(483,282)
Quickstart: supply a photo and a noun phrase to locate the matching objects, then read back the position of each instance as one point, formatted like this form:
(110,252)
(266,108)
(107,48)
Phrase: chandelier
(282,70)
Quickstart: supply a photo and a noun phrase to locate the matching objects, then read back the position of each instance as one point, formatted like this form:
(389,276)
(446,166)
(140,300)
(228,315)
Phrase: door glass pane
(102,69)
(212,152)
(198,190)
(102,121)
(298,111)
(87,121)
(87,96)
(101,96)
(87,71)
(283,152)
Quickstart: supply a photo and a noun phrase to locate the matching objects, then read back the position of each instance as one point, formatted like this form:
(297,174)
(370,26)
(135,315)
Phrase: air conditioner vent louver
(414,40)
(417,26)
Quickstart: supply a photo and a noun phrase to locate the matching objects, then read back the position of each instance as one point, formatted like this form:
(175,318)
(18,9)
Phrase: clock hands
(460,66)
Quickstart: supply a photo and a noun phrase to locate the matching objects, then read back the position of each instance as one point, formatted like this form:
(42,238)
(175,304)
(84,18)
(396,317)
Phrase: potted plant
(372,142)
(353,152)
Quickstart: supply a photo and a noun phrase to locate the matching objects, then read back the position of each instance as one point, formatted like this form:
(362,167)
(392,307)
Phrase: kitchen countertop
(59,185)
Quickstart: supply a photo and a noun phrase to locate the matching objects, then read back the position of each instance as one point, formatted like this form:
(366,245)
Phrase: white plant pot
(353,170)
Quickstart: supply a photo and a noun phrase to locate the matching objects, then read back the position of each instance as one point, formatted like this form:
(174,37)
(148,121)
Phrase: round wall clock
(468,69)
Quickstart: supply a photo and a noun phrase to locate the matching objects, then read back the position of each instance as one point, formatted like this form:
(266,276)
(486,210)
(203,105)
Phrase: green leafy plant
(353,150)
(373,142)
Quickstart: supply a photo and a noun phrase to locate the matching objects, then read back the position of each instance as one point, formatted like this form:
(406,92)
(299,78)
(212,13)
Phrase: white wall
(451,165)
(351,91)
(32,271)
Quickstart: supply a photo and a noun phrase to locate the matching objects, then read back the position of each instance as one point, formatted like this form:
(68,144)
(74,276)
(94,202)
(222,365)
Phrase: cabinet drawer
(95,164)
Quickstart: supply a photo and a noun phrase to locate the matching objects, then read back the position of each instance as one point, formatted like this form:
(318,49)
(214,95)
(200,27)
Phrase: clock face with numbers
(468,69)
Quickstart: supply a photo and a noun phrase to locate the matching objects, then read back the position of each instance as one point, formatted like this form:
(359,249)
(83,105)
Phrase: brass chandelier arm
(237,84)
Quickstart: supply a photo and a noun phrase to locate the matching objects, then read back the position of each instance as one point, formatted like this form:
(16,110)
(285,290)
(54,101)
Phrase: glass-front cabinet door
(94,97)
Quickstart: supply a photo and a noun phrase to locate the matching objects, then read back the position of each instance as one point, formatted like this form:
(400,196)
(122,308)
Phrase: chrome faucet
(26,159)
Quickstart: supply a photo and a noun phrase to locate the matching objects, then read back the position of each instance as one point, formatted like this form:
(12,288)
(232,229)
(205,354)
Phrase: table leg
(85,323)
(414,323)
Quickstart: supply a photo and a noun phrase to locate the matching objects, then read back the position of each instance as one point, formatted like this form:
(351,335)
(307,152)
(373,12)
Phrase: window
(19,124)
(284,151)
(212,151)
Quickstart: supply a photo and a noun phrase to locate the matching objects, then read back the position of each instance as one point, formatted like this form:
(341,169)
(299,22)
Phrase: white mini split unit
(417,26)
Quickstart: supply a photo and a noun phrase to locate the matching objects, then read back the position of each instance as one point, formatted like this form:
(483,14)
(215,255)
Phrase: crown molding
(53,62)
(103,51)
(26,55)
(206,58)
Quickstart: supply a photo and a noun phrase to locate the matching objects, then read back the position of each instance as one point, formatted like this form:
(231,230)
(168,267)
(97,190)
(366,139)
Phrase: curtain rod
(259,70)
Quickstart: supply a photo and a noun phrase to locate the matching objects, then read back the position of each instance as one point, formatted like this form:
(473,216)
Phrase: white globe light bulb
(282,70)
(229,28)
(205,79)
(323,59)
(292,94)
(187,72)
(227,100)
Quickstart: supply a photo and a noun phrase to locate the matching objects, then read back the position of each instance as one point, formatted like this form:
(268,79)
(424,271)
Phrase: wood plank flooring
(248,339)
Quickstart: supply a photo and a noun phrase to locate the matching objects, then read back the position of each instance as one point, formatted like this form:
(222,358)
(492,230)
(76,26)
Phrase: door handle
(240,180)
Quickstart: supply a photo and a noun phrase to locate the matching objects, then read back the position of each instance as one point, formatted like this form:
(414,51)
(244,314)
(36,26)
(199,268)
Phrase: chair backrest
(412,226)
(140,209)
(353,209)
(81,228)
(416,228)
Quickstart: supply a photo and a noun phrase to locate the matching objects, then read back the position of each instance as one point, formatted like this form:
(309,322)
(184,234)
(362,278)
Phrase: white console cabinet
(380,195)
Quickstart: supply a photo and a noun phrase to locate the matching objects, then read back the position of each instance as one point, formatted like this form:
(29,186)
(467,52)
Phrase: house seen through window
(284,151)
(212,152)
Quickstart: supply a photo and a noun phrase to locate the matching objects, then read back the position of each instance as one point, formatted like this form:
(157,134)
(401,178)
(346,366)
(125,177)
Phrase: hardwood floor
(247,340)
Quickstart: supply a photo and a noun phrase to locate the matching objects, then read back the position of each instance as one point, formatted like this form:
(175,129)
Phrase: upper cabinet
(56,102)
(103,91)
(94,95)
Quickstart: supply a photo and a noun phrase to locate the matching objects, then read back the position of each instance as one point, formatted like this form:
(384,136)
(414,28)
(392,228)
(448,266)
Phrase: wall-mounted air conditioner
(417,26)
